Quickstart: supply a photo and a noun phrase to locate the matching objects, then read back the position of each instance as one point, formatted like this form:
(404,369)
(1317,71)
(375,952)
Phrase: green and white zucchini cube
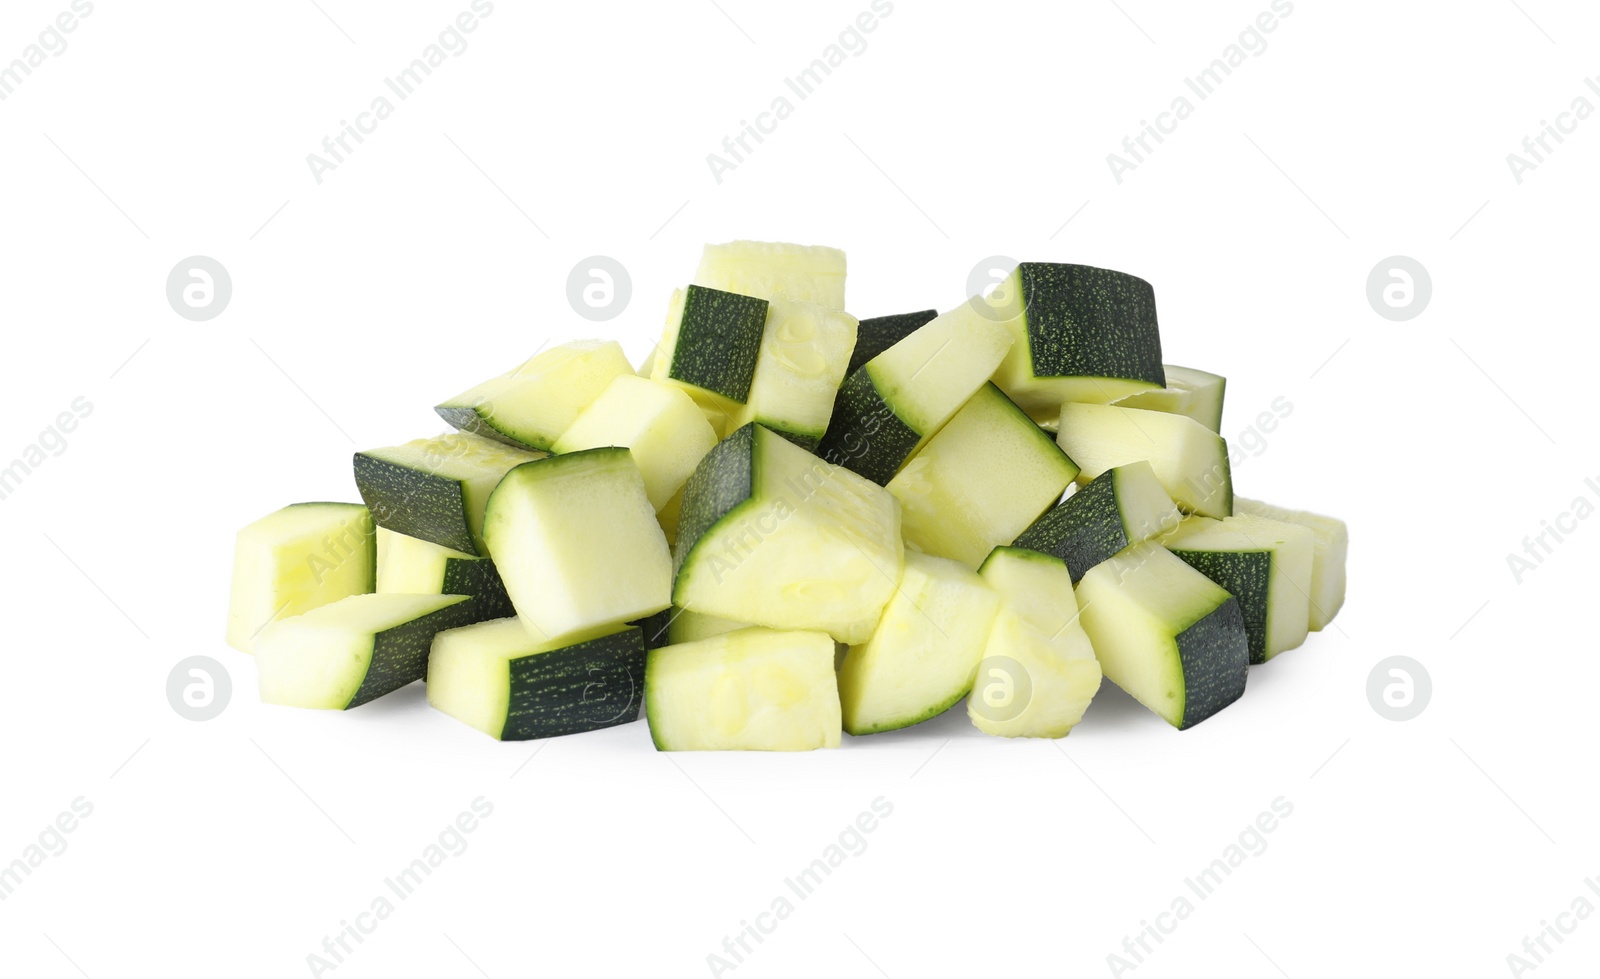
(888,409)
(775,270)
(1122,506)
(296,559)
(355,650)
(530,406)
(1265,564)
(1082,334)
(496,677)
(663,427)
(750,690)
(876,334)
(408,566)
(687,626)
(804,351)
(1190,460)
(1039,673)
(924,653)
(1165,633)
(436,489)
(772,535)
(577,543)
(711,344)
(1196,394)
(1331,545)
(987,476)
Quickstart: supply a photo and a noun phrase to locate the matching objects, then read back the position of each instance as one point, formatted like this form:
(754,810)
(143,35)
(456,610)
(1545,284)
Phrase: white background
(438,254)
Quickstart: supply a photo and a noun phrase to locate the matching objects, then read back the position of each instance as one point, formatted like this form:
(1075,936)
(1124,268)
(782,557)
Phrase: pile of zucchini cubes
(789,524)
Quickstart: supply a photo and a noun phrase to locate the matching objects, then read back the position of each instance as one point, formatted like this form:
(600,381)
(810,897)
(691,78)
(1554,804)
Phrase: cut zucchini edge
(295,559)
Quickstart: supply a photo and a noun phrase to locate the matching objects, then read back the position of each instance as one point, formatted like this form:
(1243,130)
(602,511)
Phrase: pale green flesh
(1038,632)
(577,543)
(319,659)
(774,270)
(468,670)
(1189,392)
(660,424)
(408,566)
(804,351)
(981,481)
(815,546)
(1027,686)
(930,374)
(1190,461)
(1134,607)
(923,654)
(751,690)
(1331,544)
(297,559)
(538,400)
(1290,547)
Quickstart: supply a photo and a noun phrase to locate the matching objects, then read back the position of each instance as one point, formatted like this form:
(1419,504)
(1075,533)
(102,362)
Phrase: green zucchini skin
(1084,321)
(1215,655)
(655,628)
(1247,575)
(583,687)
(469,418)
(415,503)
(400,654)
(719,340)
(1084,530)
(722,481)
(865,435)
(875,335)
(480,580)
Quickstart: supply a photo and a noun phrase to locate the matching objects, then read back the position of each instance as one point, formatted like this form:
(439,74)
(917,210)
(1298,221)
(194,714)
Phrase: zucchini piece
(1188,392)
(1121,506)
(296,559)
(1165,633)
(1331,545)
(750,690)
(711,343)
(668,515)
(656,628)
(772,535)
(878,333)
(898,400)
(666,431)
(774,270)
(577,543)
(804,351)
(1082,334)
(435,489)
(511,686)
(530,406)
(408,566)
(987,476)
(355,650)
(1190,461)
(924,653)
(687,626)
(1265,564)
(1039,673)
